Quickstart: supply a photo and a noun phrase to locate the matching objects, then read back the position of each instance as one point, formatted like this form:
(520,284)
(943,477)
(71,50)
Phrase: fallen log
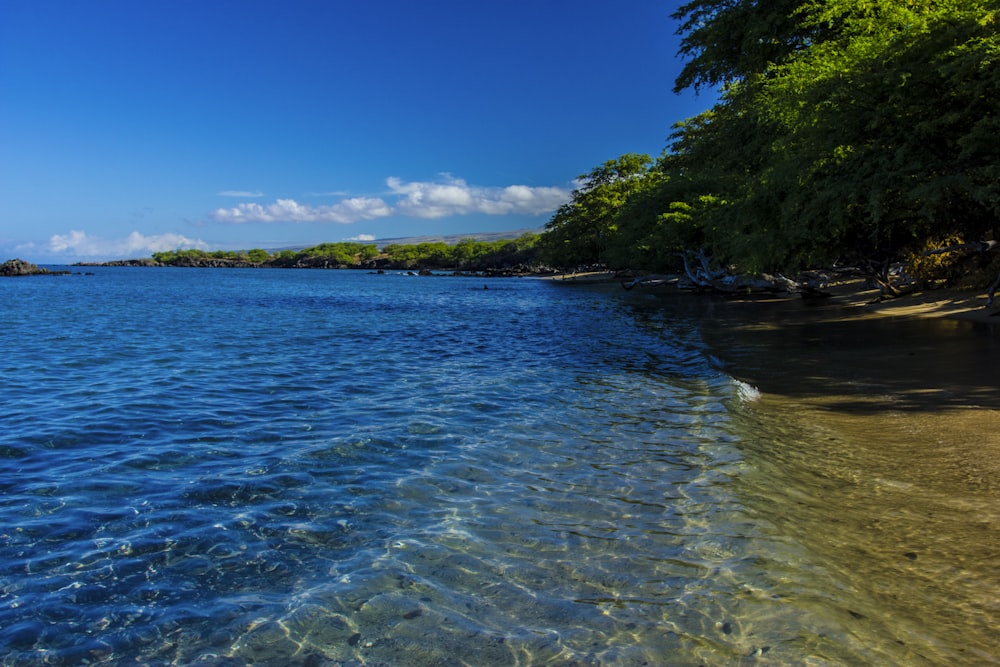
(650,281)
(973,246)
(992,292)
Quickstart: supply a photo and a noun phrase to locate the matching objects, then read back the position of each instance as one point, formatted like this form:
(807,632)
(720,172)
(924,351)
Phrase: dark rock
(148,261)
(19,267)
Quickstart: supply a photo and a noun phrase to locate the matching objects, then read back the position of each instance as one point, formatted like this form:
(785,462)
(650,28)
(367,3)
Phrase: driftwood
(653,280)
(891,279)
(704,277)
(699,275)
(974,246)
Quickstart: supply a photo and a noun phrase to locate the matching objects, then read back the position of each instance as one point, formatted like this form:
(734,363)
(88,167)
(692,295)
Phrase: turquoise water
(229,467)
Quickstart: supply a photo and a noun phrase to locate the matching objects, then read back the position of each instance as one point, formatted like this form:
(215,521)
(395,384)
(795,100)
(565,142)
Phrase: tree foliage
(468,255)
(726,41)
(584,229)
(844,130)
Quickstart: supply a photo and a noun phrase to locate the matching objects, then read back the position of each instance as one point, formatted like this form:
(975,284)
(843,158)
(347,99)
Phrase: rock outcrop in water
(19,267)
(123,262)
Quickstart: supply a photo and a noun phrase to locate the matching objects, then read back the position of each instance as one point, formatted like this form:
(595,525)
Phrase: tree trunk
(992,293)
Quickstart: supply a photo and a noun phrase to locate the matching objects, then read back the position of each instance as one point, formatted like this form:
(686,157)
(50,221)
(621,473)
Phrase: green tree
(465,253)
(583,230)
(663,221)
(859,129)
(726,41)
(258,256)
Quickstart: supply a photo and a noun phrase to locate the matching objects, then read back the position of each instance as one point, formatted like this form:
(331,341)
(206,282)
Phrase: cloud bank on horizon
(419,199)
(428,200)
(78,243)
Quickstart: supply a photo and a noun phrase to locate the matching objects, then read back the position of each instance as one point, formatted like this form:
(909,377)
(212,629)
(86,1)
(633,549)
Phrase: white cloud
(78,243)
(433,200)
(419,199)
(289,210)
(332,193)
(362,238)
(522,199)
(243,194)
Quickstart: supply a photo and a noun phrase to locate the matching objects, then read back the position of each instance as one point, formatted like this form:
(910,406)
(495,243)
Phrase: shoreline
(851,300)
(933,352)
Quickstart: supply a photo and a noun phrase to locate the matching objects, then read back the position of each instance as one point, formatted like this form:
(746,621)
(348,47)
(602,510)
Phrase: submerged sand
(914,374)
(873,432)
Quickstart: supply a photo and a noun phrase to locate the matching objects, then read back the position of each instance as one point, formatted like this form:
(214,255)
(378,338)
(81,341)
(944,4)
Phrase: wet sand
(874,437)
(933,350)
(851,295)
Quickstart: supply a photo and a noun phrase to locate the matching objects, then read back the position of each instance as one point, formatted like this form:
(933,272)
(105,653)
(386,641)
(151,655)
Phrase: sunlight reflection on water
(333,468)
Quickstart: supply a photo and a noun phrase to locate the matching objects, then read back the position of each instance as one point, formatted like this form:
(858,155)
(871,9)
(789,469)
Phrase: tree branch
(973,246)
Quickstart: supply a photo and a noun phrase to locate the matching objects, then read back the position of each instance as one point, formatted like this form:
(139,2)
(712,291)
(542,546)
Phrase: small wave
(746,392)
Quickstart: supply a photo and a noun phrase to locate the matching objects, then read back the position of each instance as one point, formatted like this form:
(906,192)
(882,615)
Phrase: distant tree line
(466,255)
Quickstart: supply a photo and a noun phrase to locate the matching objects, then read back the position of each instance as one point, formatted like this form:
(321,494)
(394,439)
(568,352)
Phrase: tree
(726,41)
(465,253)
(582,230)
(258,256)
(844,129)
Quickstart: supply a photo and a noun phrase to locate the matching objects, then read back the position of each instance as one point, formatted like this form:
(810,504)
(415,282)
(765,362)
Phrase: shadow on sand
(853,359)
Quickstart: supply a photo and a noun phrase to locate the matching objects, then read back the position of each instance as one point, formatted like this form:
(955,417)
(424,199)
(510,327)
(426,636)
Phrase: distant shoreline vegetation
(510,256)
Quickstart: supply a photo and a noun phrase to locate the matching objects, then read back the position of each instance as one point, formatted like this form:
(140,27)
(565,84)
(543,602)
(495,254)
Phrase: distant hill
(450,239)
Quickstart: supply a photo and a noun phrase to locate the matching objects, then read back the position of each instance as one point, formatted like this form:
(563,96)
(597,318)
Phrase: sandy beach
(933,353)
(878,439)
(851,299)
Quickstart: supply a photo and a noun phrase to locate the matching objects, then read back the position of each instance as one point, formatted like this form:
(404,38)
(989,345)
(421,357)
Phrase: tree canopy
(466,255)
(584,229)
(843,131)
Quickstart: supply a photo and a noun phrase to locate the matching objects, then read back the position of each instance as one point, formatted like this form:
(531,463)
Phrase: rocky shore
(374,266)
(19,267)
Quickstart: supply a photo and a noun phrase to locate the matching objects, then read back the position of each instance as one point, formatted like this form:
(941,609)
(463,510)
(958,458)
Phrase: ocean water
(235,467)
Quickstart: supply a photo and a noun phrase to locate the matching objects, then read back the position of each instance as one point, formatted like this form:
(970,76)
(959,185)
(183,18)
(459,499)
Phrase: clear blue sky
(131,126)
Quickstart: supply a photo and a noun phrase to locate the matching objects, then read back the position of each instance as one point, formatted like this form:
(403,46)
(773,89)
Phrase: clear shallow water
(320,467)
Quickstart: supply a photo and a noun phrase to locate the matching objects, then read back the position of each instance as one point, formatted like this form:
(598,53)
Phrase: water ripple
(281,468)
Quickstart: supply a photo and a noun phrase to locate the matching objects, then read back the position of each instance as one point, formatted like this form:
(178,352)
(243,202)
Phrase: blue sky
(132,126)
